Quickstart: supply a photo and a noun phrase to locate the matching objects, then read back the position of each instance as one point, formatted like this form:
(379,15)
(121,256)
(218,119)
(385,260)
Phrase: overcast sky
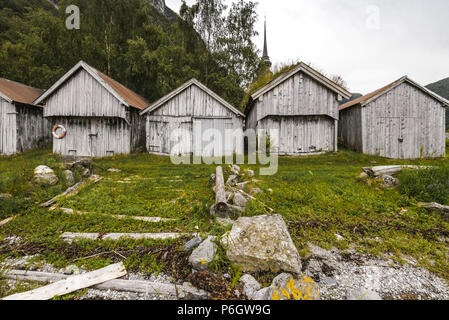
(369,42)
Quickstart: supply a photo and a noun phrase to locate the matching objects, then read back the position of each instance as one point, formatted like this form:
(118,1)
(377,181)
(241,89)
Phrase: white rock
(193,243)
(250,173)
(44,174)
(70,178)
(232,180)
(240,200)
(235,169)
(262,243)
(203,255)
(114,170)
(250,285)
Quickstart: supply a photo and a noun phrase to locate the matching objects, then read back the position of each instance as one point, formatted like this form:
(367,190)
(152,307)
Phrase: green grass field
(320,197)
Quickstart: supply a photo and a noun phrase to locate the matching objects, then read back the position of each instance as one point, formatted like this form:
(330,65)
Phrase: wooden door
(387,136)
(8,128)
(409,142)
(209,137)
(158,137)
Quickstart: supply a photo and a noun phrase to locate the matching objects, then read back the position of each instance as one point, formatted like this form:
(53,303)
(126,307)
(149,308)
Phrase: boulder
(240,200)
(203,255)
(250,285)
(193,243)
(287,287)
(262,243)
(45,175)
(69,177)
(362,294)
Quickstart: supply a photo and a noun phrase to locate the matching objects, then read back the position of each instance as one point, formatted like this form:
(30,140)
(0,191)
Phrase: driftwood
(3,222)
(72,283)
(435,207)
(137,286)
(221,207)
(69,236)
(120,217)
(374,172)
(72,190)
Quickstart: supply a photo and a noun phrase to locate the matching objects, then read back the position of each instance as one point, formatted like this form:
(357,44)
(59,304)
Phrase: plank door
(409,142)
(387,137)
(207,145)
(158,137)
(8,128)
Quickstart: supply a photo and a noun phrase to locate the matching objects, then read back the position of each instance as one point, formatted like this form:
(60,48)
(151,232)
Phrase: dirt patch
(216,284)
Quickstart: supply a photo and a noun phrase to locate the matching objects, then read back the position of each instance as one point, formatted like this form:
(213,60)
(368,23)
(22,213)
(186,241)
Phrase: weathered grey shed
(183,118)
(402,120)
(100,116)
(302,105)
(22,125)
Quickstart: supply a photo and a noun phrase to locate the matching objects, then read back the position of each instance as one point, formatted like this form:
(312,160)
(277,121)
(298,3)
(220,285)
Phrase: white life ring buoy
(62,135)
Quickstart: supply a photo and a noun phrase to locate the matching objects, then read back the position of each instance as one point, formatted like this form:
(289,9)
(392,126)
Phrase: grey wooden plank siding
(404,123)
(186,110)
(97,123)
(350,128)
(22,127)
(83,96)
(305,112)
(32,128)
(8,128)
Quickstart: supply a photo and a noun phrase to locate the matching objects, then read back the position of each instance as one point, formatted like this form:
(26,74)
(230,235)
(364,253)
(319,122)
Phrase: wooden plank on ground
(72,190)
(70,236)
(390,170)
(435,207)
(184,291)
(120,217)
(72,283)
(3,222)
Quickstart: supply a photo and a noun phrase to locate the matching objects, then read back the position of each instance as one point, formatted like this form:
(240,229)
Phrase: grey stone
(250,285)
(362,294)
(69,177)
(203,255)
(225,221)
(193,243)
(262,294)
(240,200)
(235,169)
(329,281)
(232,180)
(72,269)
(250,173)
(389,181)
(45,175)
(262,243)
(87,173)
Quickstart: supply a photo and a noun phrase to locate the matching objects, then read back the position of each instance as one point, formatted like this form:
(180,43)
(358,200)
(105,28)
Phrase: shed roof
(122,93)
(302,67)
(364,100)
(186,85)
(17,92)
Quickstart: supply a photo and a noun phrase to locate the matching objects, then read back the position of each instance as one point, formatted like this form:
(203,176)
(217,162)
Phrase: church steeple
(265,57)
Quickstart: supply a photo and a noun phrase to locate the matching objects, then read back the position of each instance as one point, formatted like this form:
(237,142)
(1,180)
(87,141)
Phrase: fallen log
(70,237)
(3,222)
(221,207)
(185,291)
(72,190)
(72,283)
(120,217)
(435,207)
(380,171)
